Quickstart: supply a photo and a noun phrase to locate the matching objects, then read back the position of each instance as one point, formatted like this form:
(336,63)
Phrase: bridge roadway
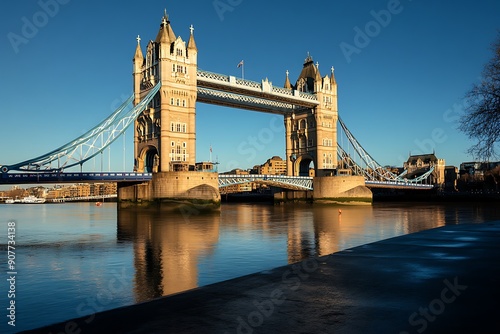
(56,177)
(281,181)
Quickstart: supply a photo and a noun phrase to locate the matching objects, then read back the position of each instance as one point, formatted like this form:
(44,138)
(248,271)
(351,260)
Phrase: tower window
(302,124)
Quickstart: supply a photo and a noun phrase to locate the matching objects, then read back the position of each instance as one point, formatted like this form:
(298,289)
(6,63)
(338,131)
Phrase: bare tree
(481,121)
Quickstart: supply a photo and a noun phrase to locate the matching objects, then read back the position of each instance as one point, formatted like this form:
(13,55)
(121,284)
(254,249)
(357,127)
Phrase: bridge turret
(288,85)
(137,71)
(305,81)
(318,82)
(191,43)
(166,33)
(333,82)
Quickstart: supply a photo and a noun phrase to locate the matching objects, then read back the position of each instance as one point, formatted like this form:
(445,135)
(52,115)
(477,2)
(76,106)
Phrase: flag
(240,64)
(210,148)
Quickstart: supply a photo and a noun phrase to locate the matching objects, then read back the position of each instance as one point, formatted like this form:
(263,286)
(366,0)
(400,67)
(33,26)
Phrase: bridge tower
(311,134)
(165,133)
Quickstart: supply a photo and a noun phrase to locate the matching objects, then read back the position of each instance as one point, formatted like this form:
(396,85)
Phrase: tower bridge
(167,84)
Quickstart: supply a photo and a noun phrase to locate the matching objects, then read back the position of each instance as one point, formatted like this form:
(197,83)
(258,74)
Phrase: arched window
(302,124)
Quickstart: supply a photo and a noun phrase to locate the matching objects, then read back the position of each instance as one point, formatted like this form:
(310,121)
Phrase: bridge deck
(32,178)
(283,181)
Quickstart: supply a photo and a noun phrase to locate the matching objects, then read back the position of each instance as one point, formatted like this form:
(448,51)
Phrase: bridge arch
(148,160)
(302,165)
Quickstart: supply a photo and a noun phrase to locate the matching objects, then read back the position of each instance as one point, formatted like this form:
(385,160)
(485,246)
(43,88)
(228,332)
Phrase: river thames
(75,259)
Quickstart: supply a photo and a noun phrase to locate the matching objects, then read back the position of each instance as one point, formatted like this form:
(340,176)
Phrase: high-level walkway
(445,280)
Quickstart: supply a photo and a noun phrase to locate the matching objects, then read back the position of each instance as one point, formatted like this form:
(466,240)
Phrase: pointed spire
(332,78)
(191,42)
(288,85)
(171,33)
(138,52)
(318,75)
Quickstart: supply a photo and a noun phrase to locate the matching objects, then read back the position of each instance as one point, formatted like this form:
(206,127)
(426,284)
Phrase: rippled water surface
(75,259)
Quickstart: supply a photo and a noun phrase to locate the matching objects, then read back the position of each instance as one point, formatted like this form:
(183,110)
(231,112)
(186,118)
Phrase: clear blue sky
(399,91)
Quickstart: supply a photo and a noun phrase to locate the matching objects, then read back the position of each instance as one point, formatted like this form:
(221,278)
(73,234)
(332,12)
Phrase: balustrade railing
(283,91)
(248,83)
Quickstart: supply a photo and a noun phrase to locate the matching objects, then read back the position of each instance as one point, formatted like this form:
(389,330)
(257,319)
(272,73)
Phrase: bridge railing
(55,177)
(284,181)
(400,184)
(281,90)
(212,75)
(248,83)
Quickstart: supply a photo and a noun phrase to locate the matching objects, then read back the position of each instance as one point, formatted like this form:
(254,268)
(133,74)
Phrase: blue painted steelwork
(88,145)
(373,171)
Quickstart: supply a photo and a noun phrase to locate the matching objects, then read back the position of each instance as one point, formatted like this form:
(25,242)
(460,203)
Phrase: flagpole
(242,65)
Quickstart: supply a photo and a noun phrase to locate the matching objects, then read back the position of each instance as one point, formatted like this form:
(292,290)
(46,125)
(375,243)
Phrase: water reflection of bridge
(173,252)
